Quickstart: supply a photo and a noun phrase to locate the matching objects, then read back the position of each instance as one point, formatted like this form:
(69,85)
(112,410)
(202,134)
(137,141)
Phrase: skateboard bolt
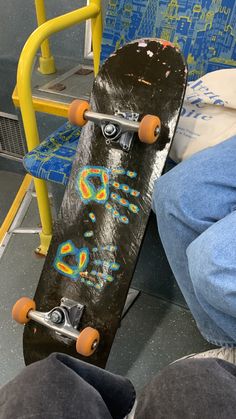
(56,316)
(110,130)
(95,344)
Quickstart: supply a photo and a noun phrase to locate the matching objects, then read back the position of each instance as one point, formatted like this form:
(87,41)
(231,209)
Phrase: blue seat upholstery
(204,30)
(53,158)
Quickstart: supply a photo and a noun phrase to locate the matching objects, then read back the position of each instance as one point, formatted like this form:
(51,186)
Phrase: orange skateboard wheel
(21,309)
(149,129)
(76,112)
(87,341)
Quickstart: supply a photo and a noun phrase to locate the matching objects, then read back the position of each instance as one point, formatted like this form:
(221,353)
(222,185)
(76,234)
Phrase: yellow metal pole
(26,103)
(96,24)
(15,206)
(46,61)
(45,106)
(45,216)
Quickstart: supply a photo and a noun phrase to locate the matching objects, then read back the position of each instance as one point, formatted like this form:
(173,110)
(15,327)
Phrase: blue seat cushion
(53,158)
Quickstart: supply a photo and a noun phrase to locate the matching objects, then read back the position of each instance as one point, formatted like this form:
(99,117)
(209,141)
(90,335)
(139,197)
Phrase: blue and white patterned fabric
(204,30)
(53,158)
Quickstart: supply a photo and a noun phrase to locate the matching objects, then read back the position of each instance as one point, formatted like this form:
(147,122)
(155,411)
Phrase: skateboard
(129,125)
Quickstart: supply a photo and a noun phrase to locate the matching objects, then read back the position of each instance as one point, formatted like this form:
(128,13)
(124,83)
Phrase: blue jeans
(195,205)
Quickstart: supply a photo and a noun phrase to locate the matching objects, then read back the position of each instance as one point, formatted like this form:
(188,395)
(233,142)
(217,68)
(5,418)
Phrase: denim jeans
(195,205)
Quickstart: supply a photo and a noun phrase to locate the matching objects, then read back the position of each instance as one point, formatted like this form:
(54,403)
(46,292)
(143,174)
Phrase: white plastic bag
(208,116)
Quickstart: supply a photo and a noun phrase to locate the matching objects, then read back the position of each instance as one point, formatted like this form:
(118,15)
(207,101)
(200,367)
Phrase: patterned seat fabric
(204,30)
(53,158)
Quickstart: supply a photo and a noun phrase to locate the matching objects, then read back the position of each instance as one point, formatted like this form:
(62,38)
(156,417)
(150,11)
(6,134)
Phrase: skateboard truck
(63,319)
(116,133)
(118,128)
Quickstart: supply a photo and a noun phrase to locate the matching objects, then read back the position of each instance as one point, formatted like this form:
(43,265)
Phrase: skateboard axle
(119,128)
(63,319)
(57,320)
(123,124)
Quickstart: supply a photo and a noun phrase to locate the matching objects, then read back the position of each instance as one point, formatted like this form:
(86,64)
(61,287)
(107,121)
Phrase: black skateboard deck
(104,213)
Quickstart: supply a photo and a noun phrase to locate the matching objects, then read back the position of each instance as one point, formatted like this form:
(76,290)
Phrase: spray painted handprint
(73,262)
(97,184)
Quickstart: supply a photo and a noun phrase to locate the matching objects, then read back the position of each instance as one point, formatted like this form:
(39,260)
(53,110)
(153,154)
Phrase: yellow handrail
(29,51)
(46,61)
(92,11)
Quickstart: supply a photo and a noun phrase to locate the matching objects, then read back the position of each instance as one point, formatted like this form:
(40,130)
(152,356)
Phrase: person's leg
(64,387)
(193,388)
(120,400)
(187,201)
(212,268)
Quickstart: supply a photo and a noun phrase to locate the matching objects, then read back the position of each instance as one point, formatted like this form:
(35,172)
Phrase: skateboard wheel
(21,309)
(149,129)
(76,112)
(87,341)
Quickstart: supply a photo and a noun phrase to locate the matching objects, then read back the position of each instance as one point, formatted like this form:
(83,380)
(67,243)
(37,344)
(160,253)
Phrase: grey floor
(158,328)
(9,185)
